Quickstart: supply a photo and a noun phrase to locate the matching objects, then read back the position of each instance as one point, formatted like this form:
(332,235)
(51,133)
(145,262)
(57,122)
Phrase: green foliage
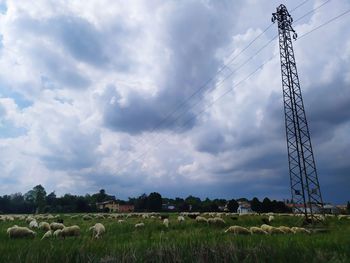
(232,205)
(154,202)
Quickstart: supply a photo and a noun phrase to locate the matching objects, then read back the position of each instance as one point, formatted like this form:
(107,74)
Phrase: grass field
(189,241)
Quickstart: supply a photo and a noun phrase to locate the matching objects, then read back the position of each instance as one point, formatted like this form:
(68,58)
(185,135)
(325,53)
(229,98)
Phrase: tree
(141,203)
(232,206)
(266,205)
(40,196)
(36,196)
(348,207)
(194,203)
(154,202)
(51,199)
(256,205)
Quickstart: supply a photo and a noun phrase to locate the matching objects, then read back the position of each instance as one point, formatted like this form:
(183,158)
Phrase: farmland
(188,241)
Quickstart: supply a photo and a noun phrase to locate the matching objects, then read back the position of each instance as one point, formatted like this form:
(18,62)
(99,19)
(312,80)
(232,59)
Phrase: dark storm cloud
(192,38)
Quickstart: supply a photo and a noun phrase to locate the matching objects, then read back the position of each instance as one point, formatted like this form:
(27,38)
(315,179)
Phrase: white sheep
(48,234)
(201,219)
(139,225)
(120,221)
(44,226)
(266,227)
(216,220)
(166,222)
(29,219)
(33,224)
(17,232)
(57,233)
(55,226)
(70,231)
(180,219)
(87,217)
(9,229)
(97,230)
(301,230)
(271,218)
(237,230)
(285,229)
(257,230)
(275,230)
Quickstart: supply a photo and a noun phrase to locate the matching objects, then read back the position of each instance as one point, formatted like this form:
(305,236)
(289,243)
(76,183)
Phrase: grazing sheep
(120,221)
(219,220)
(271,218)
(47,235)
(166,222)
(237,230)
(57,233)
(70,231)
(257,230)
(44,226)
(201,219)
(29,219)
(87,217)
(343,217)
(33,224)
(216,220)
(55,226)
(274,230)
(97,230)
(285,229)
(265,227)
(192,216)
(297,230)
(162,217)
(139,225)
(271,230)
(180,219)
(9,229)
(17,232)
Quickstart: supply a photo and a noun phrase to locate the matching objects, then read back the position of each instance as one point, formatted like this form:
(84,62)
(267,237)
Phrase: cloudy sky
(98,94)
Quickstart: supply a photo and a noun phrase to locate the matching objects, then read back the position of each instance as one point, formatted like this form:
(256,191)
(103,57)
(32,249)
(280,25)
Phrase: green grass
(186,242)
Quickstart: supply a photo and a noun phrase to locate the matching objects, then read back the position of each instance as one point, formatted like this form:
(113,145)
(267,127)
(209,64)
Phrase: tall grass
(186,242)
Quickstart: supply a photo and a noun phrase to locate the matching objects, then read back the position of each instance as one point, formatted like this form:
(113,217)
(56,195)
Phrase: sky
(99,94)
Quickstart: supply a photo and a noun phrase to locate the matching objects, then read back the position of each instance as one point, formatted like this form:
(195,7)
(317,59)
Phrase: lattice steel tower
(305,187)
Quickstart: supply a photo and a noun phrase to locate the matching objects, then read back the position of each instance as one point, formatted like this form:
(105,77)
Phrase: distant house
(168,206)
(331,209)
(114,207)
(126,208)
(244,208)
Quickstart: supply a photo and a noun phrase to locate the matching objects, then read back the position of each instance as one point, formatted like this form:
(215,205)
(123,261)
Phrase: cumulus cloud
(89,96)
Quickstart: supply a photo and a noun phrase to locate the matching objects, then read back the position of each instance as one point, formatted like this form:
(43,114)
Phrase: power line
(313,10)
(301,4)
(206,108)
(325,23)
(225,78)
(225,65)
(239,83)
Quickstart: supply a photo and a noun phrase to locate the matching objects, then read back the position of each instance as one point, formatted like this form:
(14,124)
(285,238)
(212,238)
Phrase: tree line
(38,201)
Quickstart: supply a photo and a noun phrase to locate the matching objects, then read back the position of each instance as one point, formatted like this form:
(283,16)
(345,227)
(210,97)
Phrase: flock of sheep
(57,229)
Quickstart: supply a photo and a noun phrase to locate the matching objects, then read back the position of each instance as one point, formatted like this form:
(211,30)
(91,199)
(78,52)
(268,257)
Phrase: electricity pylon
(305,187)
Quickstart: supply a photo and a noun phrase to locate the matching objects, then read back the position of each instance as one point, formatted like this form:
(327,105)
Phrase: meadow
(188,241)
